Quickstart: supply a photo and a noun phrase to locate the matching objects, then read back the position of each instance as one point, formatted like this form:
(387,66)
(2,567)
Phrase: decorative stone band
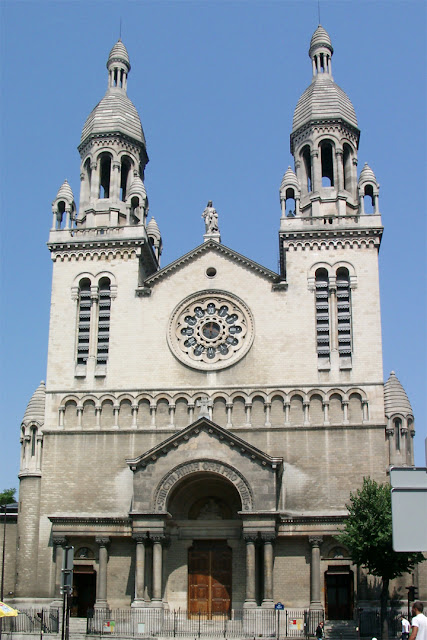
(200,466)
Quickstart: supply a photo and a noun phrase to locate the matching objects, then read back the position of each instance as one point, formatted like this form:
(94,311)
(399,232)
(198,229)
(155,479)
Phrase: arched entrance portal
(204,507)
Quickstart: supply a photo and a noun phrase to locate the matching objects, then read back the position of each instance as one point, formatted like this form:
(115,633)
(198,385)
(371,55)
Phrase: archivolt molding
(204,465)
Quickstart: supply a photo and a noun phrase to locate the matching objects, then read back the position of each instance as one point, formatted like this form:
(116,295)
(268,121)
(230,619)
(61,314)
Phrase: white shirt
(420,621)
(406,627)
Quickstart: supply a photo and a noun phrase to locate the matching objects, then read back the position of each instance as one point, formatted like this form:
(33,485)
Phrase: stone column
(345,411)
(267,406)
(315,542)
(250,600)
(134,409)
(101,591)
(390,432)
(326,412)
(268,539)
(59,544)
(340,169)
(61,412)
(157,568)
(139,570)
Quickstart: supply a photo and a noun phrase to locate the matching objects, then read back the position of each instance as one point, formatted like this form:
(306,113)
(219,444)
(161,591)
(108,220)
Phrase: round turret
(36,406)
(395,398)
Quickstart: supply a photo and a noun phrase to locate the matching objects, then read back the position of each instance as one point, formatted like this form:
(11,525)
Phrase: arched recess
(105,161)
(202,475)
(219,414)
(327,163)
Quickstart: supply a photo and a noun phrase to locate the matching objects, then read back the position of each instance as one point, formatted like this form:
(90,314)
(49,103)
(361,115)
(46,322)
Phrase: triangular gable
(211,245)
(204,424)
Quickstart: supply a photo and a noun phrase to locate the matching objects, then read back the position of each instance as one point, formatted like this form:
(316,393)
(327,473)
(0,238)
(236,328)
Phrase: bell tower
(102,249)
(330,226)
(113,155)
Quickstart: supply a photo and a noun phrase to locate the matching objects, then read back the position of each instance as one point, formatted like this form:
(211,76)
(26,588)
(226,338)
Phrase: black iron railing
(238,623)
(33,621)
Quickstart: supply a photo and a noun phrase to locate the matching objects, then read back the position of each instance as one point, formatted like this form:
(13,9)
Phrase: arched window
(368,199)
(306,163)
(327,162)
(60,217)
(343,313)
(125,174)
(322,314)
(397,428)
(290,203)
(33,441)
(103,321)
(83,330)
(104,175)
(347,162)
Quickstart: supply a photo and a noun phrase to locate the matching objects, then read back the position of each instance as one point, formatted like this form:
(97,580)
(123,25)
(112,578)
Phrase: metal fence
(32,621)
(370,623)
(239,623)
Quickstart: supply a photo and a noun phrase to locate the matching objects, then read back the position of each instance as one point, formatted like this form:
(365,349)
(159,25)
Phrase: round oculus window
(210,330)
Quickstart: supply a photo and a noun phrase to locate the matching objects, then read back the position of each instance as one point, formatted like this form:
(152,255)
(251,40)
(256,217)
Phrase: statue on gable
(210,217)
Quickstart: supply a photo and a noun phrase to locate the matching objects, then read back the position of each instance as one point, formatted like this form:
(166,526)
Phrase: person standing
(406,628)
(419,622)
(319,630)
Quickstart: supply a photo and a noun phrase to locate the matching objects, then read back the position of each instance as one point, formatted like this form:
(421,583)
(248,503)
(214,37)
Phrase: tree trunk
(384,599)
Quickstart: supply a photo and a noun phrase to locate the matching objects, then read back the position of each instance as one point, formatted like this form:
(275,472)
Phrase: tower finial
(120,29)
(318,9)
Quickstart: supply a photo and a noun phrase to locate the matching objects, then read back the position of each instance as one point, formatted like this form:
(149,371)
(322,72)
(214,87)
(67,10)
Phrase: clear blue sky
(215,84)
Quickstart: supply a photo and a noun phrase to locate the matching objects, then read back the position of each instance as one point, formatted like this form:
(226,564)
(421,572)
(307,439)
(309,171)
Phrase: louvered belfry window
(83,322)
(103,321)
(343,313)
(322,314)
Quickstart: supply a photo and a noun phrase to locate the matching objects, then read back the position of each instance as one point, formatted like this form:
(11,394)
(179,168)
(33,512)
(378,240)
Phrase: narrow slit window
(103,321)
(327,164)
(322,314)
(343,313)
(83,332)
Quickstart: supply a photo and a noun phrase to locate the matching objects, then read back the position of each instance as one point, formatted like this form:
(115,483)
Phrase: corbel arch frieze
(203,465)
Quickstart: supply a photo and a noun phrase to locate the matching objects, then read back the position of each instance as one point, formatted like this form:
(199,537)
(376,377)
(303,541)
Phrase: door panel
(339,596)
(209,578)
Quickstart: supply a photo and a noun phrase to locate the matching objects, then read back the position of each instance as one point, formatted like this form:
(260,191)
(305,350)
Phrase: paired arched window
(333,315)
(94,313)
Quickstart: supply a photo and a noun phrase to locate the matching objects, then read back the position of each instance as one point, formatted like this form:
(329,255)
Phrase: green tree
(7,496)
(367,535)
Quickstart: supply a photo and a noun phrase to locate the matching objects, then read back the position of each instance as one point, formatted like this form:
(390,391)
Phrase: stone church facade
(202,424)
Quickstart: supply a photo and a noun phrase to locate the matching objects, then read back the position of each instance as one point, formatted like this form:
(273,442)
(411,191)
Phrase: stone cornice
(307,127)
(335,238)
(212,245)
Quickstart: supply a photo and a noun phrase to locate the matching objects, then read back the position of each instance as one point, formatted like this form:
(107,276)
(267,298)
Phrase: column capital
(102,541)
(140,537)
(389,431)
(315,541)
(268,536)
(157,537)
(250,537)
(59,541)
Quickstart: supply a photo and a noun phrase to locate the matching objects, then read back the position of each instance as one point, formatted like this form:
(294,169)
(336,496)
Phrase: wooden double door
(339,594)
(209,578)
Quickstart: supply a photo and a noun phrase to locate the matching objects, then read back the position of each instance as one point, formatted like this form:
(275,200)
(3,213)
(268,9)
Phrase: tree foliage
(368,533)
(7,496)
